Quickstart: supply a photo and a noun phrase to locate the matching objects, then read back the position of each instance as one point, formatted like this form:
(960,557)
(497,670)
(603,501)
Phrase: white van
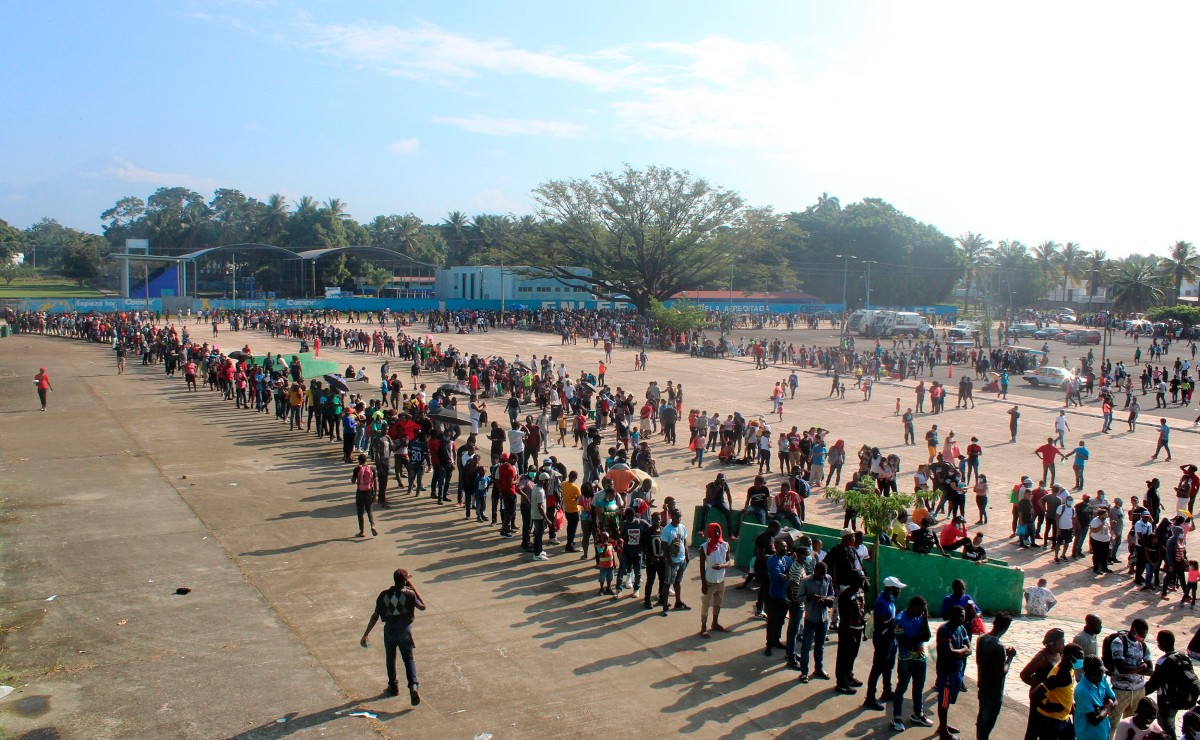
(911,323)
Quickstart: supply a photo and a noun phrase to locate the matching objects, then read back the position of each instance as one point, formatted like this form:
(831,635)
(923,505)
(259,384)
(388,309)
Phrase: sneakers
(553,541)
(873,704)
(541,556)
(920,719)
(841,689)
(821,675)
(897,725)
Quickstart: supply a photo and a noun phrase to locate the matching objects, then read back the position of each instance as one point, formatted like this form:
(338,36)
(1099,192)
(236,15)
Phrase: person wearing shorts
(953,648)
(713,564)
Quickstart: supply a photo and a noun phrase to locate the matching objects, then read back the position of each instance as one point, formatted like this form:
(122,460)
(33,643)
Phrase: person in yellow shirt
(570,503)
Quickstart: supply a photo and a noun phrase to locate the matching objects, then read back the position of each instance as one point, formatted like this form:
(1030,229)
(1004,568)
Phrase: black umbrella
(450,416)
(587,385)
(336,382)
(240,355)
(454,388)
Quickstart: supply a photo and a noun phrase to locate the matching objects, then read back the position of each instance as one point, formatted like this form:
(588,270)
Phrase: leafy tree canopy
(644,233)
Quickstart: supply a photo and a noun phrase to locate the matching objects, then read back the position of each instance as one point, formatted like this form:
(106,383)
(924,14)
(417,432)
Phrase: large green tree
(912,263)
(643,233)
(83,258)
(11,241)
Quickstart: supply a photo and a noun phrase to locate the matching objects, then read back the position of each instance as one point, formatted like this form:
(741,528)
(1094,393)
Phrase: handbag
(560,520)
(976,626)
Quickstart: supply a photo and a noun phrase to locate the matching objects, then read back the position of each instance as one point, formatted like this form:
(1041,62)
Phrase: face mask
(1077,664)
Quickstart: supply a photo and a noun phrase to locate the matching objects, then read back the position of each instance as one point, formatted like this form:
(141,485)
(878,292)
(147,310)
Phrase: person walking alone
(396,607)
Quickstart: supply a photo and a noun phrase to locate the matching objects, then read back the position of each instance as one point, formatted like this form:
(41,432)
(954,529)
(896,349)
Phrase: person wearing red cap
(395,607)
(42,381)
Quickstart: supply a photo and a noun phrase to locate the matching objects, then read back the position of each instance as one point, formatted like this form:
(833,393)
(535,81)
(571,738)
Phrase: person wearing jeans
(818,598)
(912,632)
(396,607)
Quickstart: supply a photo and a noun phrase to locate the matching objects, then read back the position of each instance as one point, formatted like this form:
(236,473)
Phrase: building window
(524,290)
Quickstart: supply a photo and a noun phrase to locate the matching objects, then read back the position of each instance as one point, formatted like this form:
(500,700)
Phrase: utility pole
(501,293)
(868,305)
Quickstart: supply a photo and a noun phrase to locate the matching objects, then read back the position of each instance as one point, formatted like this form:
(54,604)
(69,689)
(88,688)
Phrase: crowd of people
(607,509)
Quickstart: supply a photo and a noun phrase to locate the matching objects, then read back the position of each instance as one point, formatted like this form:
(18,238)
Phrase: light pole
(868,305)
(231,268)
(845,274)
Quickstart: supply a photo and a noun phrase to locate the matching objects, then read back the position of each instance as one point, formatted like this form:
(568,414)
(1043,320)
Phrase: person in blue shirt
(1081,456)
(349,427)
(1094,702)
(883,639)
(912,632)
(958,596)
(793,382)
(953,649)
(778,567)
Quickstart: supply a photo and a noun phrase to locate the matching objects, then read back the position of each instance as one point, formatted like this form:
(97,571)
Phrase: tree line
(646,234)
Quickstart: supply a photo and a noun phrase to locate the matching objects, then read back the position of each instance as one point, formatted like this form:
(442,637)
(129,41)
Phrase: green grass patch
(34,288)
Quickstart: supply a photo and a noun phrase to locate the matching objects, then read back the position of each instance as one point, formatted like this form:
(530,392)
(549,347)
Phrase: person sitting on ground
(1039,600)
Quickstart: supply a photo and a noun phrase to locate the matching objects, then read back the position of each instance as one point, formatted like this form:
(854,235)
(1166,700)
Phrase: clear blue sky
(1025,121)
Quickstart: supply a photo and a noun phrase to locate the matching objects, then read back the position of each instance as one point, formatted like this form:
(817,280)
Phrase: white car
(1052,377)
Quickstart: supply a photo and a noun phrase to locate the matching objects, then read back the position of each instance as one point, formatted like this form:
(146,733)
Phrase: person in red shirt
(973,453)
(1049,454)
(954,535)
(506,493)
(42,381)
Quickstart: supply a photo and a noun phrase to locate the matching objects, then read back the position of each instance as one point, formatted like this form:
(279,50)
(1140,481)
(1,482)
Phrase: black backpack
(1185,693)
(1106,654)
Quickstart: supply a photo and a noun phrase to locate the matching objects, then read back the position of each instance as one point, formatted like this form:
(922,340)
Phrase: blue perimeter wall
(59,305)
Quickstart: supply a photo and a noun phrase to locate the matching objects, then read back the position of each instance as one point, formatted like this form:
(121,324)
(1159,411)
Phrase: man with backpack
(364,497)
(1127,659)
(1175,681)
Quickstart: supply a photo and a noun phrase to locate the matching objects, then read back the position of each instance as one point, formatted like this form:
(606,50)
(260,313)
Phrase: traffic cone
(951,366)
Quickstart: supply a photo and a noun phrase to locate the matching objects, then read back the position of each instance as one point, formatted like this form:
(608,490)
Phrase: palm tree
(275,219)
(1182,265)
(306,206)
(827,202)
(1135,284)
(454,232)
(408,234)
(1008,253)
(976,249)
(1096,268)
(336,207)
(1046,255)
(1069,261)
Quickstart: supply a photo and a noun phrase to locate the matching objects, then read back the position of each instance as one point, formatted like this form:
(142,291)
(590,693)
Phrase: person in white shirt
(712,579)
(1039,600)
(1065,518)
(1061,427)
(1100,534)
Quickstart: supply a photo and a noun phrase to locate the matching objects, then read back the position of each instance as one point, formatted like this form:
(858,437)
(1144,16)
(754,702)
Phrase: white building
(512,282)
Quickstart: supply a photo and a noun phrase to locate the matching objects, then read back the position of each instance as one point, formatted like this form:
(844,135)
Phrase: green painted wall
(995,586)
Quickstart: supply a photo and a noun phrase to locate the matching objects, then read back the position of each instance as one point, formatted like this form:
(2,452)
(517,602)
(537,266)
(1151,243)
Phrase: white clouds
(405,147)
(513,126)
(130,172)
(427,52)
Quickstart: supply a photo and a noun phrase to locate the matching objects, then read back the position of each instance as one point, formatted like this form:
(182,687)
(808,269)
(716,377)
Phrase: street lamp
(231,269)
(845,274)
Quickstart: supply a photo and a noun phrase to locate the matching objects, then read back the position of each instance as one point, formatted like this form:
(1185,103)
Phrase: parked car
(1022,330)
(1050,332)
(1053,377)
(1083,337)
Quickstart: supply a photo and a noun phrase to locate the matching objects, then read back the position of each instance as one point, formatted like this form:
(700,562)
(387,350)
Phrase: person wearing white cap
(883,639)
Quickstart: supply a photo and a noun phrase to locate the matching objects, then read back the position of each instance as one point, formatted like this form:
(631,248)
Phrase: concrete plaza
(130,487)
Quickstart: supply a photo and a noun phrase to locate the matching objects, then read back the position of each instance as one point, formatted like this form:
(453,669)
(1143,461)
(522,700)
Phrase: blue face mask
(1077,664)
